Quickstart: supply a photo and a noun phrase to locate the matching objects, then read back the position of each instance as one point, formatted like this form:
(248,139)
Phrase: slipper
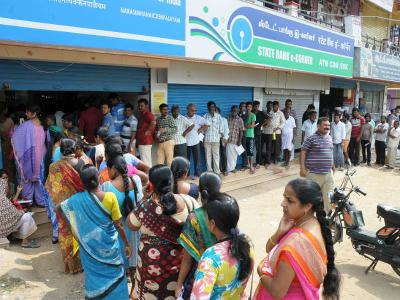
(31,244)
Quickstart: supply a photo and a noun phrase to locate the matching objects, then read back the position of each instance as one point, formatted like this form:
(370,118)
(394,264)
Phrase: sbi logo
(241,33)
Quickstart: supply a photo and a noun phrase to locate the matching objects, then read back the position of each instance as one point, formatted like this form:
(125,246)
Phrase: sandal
(31,244)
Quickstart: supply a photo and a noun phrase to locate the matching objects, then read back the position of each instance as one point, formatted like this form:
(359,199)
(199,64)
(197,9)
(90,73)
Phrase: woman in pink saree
(300,253)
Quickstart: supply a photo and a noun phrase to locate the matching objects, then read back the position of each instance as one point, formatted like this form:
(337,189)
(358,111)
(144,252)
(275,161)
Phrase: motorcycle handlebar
(357,189)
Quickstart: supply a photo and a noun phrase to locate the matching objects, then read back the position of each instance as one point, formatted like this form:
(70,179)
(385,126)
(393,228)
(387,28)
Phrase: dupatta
(301,250)
(28,142)
(195,236)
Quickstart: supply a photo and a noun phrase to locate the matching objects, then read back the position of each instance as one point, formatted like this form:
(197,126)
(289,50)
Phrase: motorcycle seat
(390,214)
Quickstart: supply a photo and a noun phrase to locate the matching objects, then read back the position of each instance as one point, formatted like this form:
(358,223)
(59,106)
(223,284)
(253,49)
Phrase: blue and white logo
(241,33)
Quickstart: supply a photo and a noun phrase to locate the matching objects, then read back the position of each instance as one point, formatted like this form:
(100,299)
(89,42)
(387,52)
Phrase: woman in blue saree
(95,220)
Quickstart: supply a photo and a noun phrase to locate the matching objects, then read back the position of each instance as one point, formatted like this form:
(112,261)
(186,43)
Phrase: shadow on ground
(378,284)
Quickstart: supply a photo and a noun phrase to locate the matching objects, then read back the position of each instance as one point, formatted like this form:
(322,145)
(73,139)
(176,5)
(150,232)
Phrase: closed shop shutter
(300,103)
(54,76)
(223,96)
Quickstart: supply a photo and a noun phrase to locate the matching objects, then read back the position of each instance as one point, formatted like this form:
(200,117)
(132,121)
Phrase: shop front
(375,71)
(65,87)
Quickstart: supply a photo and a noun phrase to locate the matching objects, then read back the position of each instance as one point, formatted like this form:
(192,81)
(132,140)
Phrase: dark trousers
(244,154)
(195,151)
(180,150)
(366,150)
(380,152)
(276,148)
(266,139)
(222,157)
(354,151)
(258,145)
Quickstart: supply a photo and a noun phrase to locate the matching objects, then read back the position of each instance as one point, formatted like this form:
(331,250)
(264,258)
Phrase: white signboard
(385,4)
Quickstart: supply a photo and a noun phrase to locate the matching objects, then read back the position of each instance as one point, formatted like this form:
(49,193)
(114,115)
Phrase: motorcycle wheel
(396,268)
(337,231)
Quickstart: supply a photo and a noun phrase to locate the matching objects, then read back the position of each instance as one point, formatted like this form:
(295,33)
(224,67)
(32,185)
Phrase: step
(256,180)
(40,216)
(43,230)
(4,243)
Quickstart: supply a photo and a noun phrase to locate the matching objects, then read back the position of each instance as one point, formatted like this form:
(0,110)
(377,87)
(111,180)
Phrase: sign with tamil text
(234,31)
(376,65)
(149,26)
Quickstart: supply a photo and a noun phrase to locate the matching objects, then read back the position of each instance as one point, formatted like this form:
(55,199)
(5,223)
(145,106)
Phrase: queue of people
(119,219)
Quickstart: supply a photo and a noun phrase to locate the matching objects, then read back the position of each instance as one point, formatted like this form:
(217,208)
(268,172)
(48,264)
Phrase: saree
(28,142)
(135,196)
(195,238)
(302,252)
(159,253)
(92,226)
(63,182)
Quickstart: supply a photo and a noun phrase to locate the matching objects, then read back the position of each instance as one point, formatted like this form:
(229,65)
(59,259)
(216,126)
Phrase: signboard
(233,31)
(150,26)
(376,65)
(385,4)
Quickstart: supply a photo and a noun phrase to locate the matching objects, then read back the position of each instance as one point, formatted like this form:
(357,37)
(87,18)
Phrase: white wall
(208,74)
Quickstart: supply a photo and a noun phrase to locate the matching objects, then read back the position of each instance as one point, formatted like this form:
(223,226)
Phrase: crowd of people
(119,217)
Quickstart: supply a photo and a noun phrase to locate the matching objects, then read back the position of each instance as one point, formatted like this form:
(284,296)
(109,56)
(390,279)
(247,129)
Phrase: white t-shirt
(309,128)
(338,132)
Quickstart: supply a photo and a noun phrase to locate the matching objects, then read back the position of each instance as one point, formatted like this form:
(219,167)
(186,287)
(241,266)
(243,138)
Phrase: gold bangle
(272,242)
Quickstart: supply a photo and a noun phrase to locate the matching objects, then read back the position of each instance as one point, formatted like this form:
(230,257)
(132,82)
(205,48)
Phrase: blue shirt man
(108,120)
(117,112)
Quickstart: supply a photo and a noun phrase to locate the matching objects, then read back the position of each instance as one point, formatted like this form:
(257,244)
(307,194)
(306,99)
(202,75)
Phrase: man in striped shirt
(316,160)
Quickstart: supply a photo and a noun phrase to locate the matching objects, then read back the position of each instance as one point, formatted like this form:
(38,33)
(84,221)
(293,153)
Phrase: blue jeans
(338,157)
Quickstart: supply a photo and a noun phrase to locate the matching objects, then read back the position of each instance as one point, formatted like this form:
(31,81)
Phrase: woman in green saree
(195,237)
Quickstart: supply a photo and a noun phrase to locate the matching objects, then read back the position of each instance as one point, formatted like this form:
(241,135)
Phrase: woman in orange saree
(300,253)
(63,182)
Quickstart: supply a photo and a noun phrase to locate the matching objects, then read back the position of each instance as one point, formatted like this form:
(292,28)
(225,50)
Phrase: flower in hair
(235,231)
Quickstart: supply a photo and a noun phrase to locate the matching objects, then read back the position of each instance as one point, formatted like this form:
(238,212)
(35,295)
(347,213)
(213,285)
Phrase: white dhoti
(25,227)
(287,141)
(231,155)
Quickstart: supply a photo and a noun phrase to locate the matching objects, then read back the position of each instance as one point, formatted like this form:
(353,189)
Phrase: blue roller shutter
(223,96)
(54,76)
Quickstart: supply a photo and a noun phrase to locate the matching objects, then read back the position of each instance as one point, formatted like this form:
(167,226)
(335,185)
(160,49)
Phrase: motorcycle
(383,245)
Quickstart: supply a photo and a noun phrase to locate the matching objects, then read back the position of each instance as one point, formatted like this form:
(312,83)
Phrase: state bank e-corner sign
(232,31)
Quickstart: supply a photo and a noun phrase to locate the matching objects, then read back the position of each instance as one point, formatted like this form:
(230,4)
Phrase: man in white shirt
(309,126)
(381,134)
(193,139)
(184,126)
(393,144)
(212,137)
(338,133)
(276,125)
(223,143)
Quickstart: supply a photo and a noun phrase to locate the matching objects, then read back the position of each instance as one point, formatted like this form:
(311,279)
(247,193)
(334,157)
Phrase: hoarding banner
(385,4)
(149,26)
(234,31)
(376,65)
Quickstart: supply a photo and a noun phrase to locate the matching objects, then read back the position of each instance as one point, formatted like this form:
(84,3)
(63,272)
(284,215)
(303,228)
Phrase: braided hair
(308,191)
(160,176)
(224,210)
(119,164)
(179,168)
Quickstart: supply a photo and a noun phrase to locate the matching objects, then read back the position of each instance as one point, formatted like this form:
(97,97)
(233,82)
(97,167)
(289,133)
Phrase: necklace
(305,221)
